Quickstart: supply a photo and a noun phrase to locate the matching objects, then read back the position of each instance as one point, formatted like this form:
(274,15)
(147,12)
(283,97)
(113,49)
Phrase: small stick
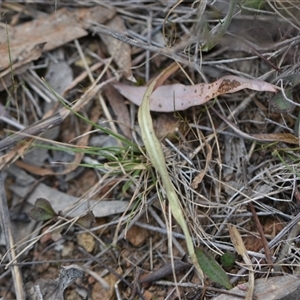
(34,129)
(262,234)
(6,228)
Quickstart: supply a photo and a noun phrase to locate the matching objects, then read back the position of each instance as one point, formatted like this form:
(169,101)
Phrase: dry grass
(250,183)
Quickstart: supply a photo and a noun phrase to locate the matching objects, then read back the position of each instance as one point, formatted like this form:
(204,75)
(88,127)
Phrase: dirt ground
(149,149)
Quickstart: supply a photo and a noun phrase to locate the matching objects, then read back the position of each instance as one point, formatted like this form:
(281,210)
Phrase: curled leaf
(176,97)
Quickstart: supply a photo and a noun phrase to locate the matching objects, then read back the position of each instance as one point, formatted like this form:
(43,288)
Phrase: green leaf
(255,4)
(212,269)
(42,210)
(294,79)
(227,259)
(282,103)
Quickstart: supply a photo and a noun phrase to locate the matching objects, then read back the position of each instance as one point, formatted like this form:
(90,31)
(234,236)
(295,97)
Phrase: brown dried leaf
(241,250)
(120,109)
(25,57)
(121,52)
(277,137)
(55,30)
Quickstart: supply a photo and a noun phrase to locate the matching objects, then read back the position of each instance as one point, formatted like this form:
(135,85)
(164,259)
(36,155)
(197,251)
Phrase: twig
(262,234)
(35,129)
(6,228)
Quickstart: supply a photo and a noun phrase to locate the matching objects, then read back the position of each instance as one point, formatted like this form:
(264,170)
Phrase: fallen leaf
(42,210)
(54,30)
(241,250)
(177,97)
(120,51)
(120,110)
(33,52)
(63,202)
(212,269)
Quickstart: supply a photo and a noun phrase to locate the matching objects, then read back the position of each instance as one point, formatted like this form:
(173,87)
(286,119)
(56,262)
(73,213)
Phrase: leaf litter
(226,155)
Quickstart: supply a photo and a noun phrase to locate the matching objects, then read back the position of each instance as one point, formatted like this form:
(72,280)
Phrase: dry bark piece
(25,57)
(56,30)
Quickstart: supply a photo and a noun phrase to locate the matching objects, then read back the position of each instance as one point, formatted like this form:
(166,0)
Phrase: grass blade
(157,158)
